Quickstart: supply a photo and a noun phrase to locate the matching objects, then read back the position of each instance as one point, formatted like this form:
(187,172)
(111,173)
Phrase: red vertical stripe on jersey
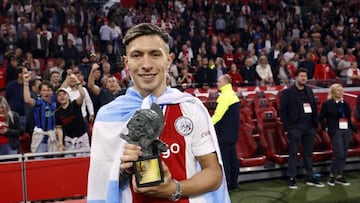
(176,161)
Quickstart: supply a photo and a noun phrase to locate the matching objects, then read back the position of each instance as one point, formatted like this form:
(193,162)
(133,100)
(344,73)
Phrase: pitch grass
(277,191)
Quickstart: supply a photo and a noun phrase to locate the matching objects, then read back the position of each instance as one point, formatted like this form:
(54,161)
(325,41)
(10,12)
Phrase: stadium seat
(322,147)
(246,116)
(272,138)
(354,148)
(247,149)
(261,103)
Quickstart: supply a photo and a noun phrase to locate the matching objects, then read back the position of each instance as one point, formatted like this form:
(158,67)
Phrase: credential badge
(184,125)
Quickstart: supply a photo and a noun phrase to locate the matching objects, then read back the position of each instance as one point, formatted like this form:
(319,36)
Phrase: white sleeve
(201,139)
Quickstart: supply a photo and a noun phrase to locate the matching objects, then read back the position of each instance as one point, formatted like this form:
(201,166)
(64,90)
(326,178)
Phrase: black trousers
(231,163)
(305,137)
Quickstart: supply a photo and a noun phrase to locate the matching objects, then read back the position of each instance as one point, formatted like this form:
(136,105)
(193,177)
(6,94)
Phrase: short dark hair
(45,83)
(300,70)
(143,29)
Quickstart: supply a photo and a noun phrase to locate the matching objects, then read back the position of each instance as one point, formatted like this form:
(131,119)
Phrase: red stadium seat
(247,148)
(272,138)
(354,148)
(322,147)
(246,116)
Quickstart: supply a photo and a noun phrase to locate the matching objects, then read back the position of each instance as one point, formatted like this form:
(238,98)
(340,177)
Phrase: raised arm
(26,91)
(91,80)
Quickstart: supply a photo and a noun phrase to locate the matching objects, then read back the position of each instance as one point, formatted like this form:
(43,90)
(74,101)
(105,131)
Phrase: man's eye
(156,54)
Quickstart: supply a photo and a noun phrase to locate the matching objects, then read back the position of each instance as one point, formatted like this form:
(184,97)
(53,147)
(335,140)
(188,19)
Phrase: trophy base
(148,171)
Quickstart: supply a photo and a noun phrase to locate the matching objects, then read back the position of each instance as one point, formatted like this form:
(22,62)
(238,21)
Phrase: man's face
(221,82)
(45,93)
(55,78)
(112,84)
(147,58)
(62,97)
(301,79)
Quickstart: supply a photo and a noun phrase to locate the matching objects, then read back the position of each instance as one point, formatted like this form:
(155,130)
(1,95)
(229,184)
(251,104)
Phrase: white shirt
(87,103)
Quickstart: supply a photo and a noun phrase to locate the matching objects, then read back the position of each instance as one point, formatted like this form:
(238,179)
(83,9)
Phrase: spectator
(298,113)
(63,39)
(236,79)
(105,35)
(285,72)
(72,86)
(10,129)
(14,95)
(335,118)
(89,42)
(220,67)
(70,125)
(353,75)
(185,78)
(34,85)
(44,136)
(343,67)
(248,73)
(71,54)
(11,70)
(85,66)
(263,69)
(39,44)
(309,65)
(55,80)
(225,121)
(323,72)
(110,91)
(205,76)
(32,64)
(59,67)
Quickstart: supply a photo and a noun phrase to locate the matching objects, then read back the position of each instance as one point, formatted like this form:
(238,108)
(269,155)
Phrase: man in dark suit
(39,44)
(298,112)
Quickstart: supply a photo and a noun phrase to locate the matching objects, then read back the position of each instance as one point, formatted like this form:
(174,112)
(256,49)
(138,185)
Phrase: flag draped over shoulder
(107,146)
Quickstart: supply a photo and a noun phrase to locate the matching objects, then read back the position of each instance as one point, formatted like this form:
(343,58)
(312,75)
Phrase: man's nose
(147,62)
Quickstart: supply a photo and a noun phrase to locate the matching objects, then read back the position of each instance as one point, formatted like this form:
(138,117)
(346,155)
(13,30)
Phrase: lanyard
(340,106)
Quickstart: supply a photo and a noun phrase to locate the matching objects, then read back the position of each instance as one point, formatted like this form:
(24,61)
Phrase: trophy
(144,128)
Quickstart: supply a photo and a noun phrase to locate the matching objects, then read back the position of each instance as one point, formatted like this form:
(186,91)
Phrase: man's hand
(131,154)
(61,147)
(26,76)
(94,67)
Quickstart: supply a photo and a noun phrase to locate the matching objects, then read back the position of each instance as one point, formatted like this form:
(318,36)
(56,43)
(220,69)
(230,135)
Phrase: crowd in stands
(255,42)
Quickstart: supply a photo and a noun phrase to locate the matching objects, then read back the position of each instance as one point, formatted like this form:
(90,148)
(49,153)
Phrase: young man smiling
(192,166)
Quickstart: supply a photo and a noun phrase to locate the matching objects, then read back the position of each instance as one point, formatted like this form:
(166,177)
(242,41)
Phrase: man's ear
(125,60)
(170,59)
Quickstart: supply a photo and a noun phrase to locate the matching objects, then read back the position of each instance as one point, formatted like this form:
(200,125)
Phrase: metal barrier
(25,177)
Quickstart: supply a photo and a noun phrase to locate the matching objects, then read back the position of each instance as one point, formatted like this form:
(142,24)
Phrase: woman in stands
(10,129)
(335,118)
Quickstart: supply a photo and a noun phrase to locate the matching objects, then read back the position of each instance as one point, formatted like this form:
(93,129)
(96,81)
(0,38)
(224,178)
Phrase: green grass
(276,191)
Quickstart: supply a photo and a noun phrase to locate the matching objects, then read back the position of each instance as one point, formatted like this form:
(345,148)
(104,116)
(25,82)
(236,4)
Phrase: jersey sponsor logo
(174,148)
(184,126)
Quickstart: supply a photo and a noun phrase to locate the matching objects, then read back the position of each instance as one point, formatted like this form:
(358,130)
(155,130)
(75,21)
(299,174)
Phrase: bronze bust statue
(144,127)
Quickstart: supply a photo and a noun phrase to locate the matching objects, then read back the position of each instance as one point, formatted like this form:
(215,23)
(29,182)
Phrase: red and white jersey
(184,140)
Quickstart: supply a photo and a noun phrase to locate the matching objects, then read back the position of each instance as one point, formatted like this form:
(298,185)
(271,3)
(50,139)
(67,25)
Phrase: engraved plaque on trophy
(144,128)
